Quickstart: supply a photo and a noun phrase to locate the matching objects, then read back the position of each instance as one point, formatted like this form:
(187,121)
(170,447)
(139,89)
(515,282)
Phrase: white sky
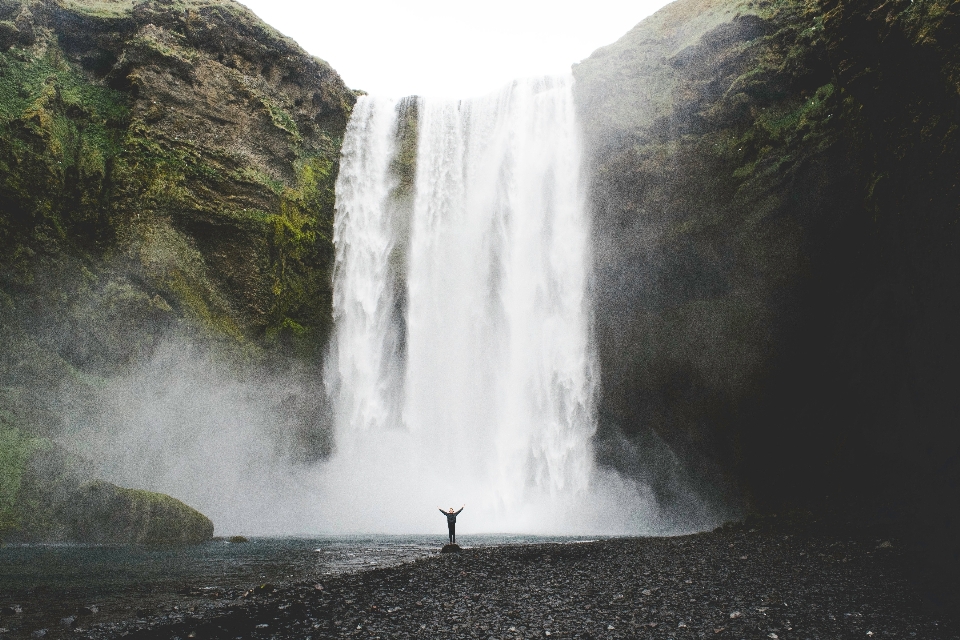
(449,48)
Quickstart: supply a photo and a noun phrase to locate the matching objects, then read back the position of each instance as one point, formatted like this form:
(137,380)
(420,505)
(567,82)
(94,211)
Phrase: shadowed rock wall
(776,233)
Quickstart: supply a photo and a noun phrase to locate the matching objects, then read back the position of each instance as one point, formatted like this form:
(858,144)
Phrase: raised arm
(458,512)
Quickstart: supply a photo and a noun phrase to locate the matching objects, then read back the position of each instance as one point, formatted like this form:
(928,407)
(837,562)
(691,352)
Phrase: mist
(234,442)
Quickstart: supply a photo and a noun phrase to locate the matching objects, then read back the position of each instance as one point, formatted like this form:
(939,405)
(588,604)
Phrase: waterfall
(461,366)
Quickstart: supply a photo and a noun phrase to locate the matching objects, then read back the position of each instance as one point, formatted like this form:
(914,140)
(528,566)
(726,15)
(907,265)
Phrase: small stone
(609,627)
(39,633)
(772,636)
(646,592)
(69,621)
(870,633)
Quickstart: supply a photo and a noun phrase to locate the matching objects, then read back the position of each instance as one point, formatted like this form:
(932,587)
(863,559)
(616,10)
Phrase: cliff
(166,169)
(776,208)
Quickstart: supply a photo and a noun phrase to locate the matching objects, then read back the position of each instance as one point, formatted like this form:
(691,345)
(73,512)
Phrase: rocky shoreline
(779,582)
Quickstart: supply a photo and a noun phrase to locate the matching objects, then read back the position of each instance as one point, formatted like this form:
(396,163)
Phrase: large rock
(101,513)
(50,495)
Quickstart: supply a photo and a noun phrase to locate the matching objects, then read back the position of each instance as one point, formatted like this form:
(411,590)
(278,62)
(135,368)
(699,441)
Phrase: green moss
(301,247)
(16,448)
(254,176)
(179,271)
(280,118)
(101,512)
(58,136)
(101,8)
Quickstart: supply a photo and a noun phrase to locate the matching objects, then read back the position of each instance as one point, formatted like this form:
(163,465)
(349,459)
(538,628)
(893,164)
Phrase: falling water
(463,364)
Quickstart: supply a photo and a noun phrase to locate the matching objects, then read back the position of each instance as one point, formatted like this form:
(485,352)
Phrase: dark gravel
(731,583)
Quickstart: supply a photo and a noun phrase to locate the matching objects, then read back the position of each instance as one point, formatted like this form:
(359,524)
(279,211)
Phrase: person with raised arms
(452,522)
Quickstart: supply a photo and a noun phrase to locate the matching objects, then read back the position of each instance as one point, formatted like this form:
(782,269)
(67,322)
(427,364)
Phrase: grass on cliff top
(122,8)
(113,9)
(626,84)
(678,25)
(100,8)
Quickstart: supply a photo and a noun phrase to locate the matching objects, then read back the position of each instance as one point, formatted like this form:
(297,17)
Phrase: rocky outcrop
(776,237)
(51,495)
(101,513)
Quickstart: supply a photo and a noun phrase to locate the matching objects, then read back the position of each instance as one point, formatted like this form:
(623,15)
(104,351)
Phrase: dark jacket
(451,517)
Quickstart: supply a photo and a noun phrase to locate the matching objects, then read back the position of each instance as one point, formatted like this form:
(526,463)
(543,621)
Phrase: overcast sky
(447,47)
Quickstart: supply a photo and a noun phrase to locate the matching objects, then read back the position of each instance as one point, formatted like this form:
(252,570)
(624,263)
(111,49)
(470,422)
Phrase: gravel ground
(731,583)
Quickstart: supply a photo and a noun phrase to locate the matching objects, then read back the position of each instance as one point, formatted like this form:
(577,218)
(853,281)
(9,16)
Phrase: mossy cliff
(189,142)
(166,168)
(777,236)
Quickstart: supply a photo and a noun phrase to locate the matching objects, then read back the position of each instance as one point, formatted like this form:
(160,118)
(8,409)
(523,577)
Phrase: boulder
(103,513)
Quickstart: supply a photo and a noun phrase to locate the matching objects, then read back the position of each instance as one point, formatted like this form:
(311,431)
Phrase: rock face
(189,146)
(776,210)
(165,169)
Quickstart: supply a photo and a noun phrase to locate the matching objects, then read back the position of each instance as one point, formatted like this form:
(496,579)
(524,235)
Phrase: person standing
(452,522)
